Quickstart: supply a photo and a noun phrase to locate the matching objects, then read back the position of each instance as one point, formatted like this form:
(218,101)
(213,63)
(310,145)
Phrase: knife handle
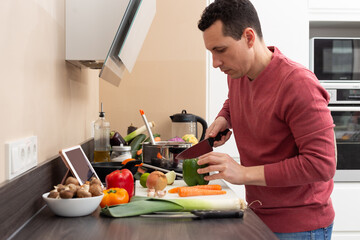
(218,137)
(218,214)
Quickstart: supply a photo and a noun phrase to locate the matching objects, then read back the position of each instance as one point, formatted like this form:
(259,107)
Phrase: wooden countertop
(46,225)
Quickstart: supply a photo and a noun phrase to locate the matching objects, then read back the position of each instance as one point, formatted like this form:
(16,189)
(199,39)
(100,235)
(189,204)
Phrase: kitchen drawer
(346,197)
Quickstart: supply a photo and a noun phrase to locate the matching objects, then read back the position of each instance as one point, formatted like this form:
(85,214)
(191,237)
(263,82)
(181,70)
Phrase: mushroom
(72,187)
(53,194)
(71,180)
(85,186)
(60,187)
(66,194)
(82,193)
(95,189)
(95,180)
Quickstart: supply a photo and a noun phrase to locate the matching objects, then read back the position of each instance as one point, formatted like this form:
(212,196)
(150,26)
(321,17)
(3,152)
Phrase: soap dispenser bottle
(101,139)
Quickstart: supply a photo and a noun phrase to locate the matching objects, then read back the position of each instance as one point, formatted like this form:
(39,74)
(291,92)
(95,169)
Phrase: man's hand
(219,125)
(230,170)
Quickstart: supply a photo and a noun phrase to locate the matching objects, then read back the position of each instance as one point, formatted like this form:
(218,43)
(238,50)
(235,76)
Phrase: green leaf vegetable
(145,205)
(137,132)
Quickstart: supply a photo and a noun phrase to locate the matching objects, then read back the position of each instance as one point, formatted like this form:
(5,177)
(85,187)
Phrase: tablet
(78,164)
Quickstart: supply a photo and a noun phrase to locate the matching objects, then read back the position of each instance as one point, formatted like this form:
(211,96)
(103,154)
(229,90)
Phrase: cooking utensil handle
(147,126)
(218,214)
(161,169)
(218,137)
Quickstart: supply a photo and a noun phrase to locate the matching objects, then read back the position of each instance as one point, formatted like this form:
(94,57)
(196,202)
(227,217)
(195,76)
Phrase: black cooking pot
(104,168)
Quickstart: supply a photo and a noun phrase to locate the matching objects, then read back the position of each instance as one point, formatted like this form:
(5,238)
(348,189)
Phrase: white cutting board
(141,191)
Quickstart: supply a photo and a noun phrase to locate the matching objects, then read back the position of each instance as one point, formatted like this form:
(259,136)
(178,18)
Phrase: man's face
(230,55)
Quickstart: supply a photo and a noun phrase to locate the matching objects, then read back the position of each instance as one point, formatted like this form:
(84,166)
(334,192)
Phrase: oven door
(347,132)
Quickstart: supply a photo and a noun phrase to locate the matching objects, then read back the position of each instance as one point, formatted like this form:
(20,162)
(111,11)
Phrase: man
(282,126)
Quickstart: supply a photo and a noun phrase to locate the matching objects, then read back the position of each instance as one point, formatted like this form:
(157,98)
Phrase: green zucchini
(136,144)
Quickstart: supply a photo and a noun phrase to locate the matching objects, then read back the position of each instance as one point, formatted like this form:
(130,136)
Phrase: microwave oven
(335,59)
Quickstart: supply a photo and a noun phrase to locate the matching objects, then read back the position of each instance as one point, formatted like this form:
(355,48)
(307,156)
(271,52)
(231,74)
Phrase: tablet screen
(78,164)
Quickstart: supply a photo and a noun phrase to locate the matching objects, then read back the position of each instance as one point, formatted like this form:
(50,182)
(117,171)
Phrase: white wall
(40,94)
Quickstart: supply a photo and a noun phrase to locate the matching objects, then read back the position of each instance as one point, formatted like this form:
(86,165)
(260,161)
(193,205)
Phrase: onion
(156,180)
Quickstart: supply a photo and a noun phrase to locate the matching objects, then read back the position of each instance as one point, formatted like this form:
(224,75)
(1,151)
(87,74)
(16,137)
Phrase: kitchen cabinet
(345,197)
(334,10)
(330,18)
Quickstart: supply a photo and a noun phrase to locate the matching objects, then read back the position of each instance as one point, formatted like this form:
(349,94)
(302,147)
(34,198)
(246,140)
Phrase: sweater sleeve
(225,111)
(303,106)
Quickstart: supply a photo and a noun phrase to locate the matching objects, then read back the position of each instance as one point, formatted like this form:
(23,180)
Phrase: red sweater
(281,120)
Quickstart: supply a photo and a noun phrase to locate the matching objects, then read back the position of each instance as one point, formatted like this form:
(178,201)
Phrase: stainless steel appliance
(335,59)
(162,154)
(345,110)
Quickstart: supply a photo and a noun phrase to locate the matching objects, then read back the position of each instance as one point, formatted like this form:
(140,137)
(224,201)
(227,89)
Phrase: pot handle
(204,126)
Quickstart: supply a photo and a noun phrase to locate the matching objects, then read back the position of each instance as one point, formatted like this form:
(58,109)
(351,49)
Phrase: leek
(138,131)
(144,205)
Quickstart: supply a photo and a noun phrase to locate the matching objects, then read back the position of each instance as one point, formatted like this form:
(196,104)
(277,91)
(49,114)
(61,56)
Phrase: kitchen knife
(198,214)
(201,148)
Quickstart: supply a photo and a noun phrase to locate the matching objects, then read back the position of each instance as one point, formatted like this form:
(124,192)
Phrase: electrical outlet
(21,155)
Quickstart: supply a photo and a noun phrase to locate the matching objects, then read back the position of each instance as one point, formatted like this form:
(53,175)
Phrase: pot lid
(183,117)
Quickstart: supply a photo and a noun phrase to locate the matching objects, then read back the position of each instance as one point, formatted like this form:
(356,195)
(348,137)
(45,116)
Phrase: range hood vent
(92,64)
(107,35)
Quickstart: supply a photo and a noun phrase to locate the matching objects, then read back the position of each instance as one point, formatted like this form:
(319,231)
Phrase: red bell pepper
(121,179)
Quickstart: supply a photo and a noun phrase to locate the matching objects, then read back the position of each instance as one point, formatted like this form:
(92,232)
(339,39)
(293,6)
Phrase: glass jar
(120,153)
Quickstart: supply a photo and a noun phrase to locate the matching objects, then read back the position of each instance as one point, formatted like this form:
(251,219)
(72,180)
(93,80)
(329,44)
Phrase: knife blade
(201,148)
(198,214)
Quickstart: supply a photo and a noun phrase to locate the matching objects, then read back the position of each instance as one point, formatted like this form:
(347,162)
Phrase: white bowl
(74,207)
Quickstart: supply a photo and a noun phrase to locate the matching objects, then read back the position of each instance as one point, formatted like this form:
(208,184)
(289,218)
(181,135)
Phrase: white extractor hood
(107,34)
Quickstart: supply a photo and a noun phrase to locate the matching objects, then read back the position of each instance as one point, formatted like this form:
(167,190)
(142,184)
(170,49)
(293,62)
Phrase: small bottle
(101,139)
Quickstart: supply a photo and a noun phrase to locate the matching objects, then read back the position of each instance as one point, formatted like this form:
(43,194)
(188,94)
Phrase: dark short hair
(236,15)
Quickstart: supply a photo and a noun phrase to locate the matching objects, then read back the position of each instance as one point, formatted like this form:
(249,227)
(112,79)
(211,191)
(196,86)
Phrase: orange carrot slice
(209,187)
(127,160)
(189,192)
(174,190)
(139,152)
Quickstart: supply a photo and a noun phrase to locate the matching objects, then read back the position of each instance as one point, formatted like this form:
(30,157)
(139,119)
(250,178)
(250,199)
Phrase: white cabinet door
(284,25)
(334,4)
(346,199)
(334,10)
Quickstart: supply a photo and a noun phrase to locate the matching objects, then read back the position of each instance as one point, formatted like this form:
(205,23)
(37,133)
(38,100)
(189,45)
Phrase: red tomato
(121,179)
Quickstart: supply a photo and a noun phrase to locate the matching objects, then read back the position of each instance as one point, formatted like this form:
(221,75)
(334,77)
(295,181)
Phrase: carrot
(139,152)
(174,190)
(127,160)
(188,192)
(209,187)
